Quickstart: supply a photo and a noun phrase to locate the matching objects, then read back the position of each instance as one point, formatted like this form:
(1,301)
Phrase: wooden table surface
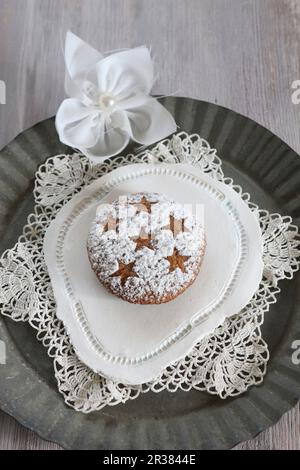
(243,54)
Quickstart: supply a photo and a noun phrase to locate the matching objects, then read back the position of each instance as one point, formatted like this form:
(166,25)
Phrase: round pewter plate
(270,171)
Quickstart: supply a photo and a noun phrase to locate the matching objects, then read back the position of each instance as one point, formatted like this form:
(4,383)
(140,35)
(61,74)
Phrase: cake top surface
(145,243)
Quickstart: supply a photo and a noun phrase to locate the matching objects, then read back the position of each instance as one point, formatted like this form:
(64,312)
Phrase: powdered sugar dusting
(159,242)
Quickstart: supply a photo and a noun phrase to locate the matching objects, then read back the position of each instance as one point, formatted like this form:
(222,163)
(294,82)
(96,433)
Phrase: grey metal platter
(263,165)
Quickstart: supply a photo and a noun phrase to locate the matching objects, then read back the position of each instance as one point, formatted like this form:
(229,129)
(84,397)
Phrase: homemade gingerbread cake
(146,248)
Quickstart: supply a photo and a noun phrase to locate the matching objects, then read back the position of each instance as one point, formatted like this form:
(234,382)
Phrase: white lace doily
(225,363)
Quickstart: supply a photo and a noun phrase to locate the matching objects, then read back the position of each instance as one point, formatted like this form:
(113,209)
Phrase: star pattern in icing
(177,260)
(176,226)
(143,240)
(111,224)
(124,272)
(144,205)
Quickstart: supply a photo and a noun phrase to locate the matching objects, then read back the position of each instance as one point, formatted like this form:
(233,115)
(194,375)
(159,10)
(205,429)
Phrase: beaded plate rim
(82,203)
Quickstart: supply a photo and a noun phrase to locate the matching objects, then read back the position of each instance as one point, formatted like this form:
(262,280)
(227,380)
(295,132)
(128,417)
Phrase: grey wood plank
(13,436)
(243,54)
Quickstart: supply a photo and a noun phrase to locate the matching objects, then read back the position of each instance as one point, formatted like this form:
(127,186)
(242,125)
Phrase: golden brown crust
(153,301)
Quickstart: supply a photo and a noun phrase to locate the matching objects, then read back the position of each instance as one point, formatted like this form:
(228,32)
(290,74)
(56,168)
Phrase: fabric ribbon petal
(113,138)
(150,122)
(80,58)
(78,125)
(126,74)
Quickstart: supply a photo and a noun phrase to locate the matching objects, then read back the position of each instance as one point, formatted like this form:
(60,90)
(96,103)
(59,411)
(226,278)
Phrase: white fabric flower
(109,101)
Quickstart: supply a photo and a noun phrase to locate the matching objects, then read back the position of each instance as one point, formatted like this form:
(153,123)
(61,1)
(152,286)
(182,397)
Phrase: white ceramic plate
(134,343)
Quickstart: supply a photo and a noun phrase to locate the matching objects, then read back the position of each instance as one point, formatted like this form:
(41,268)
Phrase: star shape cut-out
(176,226)
(111,224)
(144,205)
(177,260)
(124,272)
(143,240)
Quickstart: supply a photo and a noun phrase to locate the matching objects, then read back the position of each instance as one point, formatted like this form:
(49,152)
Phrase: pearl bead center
(106,102)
